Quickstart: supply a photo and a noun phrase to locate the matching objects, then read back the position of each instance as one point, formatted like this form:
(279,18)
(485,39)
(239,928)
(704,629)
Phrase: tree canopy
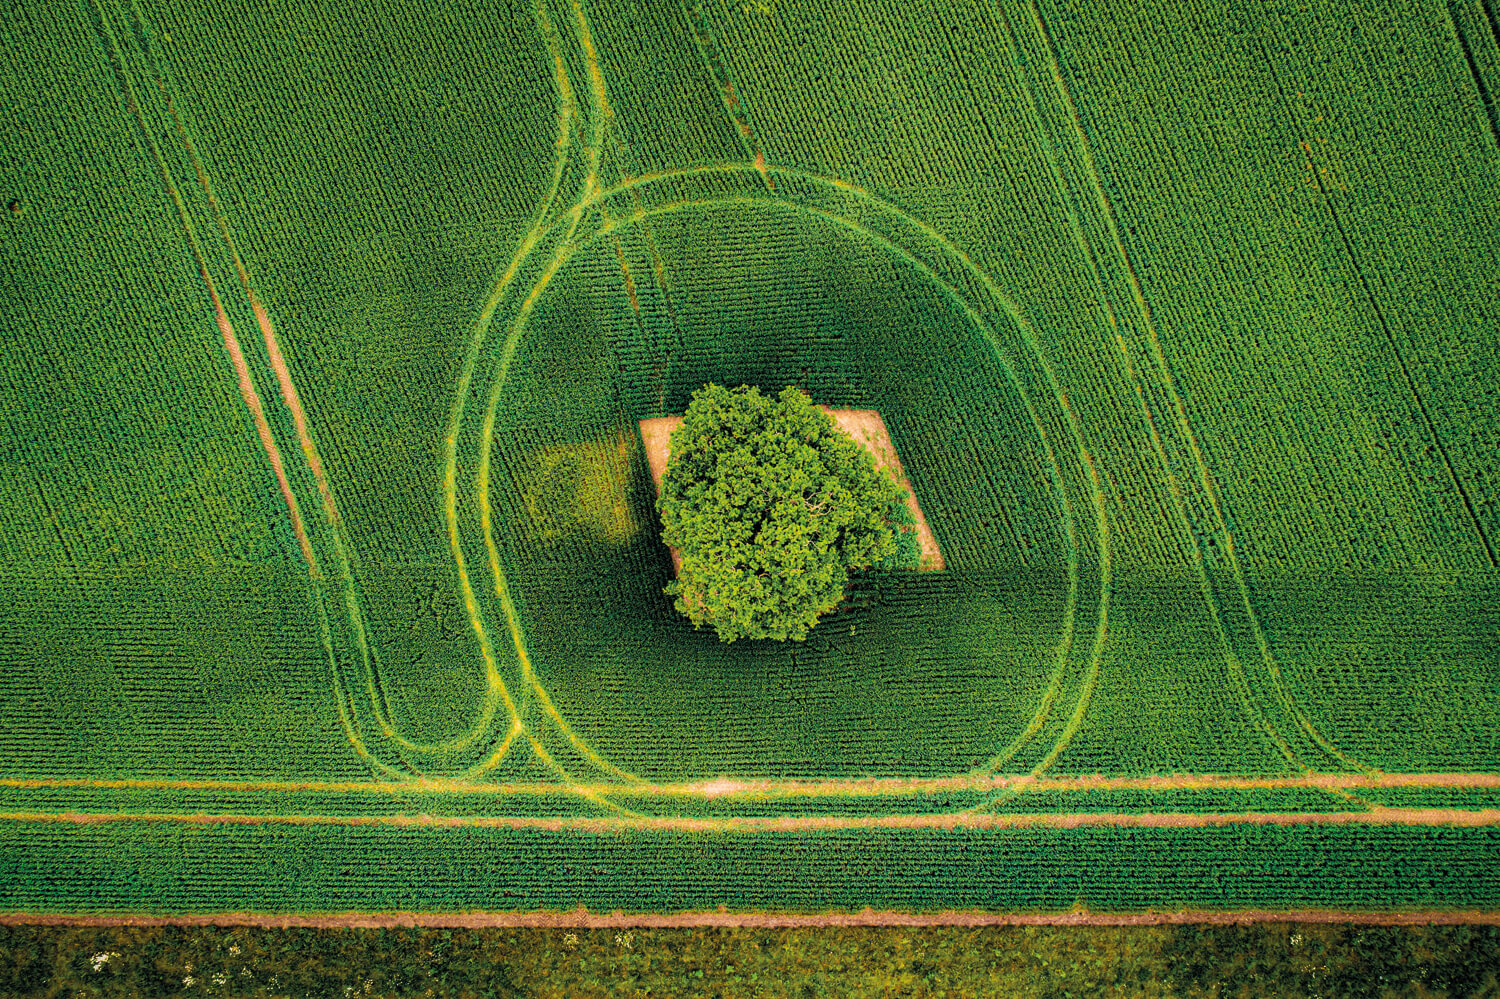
(771,506)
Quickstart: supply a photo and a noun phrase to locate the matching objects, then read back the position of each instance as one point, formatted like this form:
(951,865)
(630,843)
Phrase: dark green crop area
(330,572)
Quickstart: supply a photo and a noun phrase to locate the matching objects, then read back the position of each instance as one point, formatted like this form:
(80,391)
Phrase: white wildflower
(101,959)
(220,978)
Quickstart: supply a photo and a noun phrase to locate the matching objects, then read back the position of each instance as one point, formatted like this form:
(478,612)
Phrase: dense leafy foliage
(772,506)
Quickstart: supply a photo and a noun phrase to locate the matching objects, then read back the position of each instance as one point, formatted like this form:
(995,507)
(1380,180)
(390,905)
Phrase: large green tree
(771,506)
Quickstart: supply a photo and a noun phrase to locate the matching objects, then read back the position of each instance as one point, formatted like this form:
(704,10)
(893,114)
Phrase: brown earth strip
(1456,817)
(581,918)
(857,787)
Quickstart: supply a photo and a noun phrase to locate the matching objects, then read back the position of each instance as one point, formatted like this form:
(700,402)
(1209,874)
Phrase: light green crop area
(326,330)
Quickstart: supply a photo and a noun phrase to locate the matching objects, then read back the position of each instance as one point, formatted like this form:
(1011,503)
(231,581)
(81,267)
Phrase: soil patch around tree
(865,426)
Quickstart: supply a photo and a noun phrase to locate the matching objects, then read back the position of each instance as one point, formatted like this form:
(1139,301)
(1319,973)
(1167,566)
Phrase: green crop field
(330,573)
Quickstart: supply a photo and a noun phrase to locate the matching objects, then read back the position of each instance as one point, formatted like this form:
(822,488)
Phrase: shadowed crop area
(331,573)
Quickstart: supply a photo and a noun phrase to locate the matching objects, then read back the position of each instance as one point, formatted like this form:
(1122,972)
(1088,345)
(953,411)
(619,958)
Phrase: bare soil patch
(864,425)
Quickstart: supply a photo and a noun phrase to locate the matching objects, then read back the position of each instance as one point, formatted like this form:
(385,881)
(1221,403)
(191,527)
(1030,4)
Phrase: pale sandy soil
(864,425)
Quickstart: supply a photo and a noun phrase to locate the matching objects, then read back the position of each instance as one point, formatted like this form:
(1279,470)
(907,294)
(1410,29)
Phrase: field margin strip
(582,918)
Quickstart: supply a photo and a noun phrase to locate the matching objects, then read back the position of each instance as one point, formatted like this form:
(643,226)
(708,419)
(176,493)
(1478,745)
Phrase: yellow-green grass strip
(753,789)
(633,821)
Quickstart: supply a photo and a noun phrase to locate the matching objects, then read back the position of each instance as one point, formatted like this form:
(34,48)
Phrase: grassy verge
(1273,959)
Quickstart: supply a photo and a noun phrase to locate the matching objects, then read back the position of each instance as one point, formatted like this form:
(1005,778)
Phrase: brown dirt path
(614,825)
